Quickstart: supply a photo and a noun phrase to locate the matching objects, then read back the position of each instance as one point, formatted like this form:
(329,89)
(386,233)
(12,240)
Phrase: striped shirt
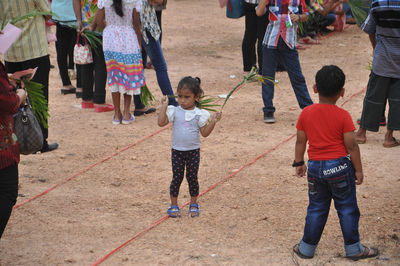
(383,21)
(279,11)
(32,43)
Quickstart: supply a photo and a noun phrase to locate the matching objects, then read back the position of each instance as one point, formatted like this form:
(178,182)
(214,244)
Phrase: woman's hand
(21,93)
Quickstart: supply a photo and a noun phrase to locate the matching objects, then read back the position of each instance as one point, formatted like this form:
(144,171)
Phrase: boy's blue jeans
(326,180)
(290,58)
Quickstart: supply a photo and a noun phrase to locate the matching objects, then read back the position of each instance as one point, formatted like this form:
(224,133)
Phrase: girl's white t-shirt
(186,124)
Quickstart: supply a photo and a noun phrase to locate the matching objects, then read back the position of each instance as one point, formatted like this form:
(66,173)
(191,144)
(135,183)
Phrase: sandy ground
(111,183)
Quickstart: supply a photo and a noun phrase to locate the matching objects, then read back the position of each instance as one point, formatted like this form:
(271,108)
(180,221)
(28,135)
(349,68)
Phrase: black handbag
(28,131)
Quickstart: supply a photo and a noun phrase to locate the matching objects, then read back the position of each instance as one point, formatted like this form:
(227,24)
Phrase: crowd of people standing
(128,28)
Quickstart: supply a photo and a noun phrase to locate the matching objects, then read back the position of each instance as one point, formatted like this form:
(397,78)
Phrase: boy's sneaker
(269,117)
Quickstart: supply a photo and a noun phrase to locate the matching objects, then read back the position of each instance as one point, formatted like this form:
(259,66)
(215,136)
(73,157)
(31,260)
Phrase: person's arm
(78,14)
(207,129)
(372,39)
(162,116)
(261,7)
(355,156)
(9,100)
(300,149)
(136,25)
(98,20)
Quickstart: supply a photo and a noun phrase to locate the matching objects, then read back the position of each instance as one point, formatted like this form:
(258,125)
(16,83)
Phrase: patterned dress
(121,48)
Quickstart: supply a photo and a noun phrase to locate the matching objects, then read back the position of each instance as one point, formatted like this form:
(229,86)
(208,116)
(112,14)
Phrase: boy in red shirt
(334,166)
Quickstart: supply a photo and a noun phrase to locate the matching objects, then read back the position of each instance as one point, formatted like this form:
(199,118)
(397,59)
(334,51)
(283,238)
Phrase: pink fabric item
(340,23)
(222,3)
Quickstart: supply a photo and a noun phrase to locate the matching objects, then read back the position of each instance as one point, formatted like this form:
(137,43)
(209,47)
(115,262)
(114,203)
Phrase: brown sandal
(365,254)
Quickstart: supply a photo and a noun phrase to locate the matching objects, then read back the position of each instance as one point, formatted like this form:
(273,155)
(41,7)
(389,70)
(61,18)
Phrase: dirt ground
(110,184)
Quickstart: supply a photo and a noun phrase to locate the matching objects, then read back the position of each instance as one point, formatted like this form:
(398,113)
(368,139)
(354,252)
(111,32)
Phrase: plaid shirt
(279,11)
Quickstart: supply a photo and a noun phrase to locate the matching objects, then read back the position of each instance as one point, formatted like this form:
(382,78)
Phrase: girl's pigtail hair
(118,7)
(199,90)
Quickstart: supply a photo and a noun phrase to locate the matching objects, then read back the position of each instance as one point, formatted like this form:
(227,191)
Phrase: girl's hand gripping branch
(207,129)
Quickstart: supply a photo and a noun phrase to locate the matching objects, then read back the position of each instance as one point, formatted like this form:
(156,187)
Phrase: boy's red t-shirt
(324,125)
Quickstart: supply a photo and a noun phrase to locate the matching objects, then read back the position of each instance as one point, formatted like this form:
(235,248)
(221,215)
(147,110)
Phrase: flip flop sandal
(298,253)
(173,211)
(391,145)
(365,254)
(194,210)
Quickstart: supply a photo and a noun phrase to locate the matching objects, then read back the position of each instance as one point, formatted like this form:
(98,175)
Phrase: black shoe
(148,111)
(68,91)
(269,117)
(49,147)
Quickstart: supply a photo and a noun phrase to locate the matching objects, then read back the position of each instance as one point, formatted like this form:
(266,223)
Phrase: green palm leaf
(145,95)
(205,102)
(29,15)
(358,9)
(253,75)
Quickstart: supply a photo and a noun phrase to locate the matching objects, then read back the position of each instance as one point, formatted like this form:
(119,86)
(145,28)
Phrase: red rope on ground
(186,203)
(90,167)
(209,189)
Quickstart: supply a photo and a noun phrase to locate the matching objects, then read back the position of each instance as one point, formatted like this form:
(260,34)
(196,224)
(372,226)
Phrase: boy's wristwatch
(295,164)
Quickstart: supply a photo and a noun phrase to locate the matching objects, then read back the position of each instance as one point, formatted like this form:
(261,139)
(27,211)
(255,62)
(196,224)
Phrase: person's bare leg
(116,98)
(193,200)
(174,200)
(127,106)
(361,136)
(389,139)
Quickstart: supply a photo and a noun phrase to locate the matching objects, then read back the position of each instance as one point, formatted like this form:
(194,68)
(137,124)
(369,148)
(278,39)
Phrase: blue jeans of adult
(327,180)
(290,58)
(154,51)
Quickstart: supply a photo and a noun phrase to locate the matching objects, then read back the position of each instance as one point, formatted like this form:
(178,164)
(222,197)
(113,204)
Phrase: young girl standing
(187,121)
(121,44)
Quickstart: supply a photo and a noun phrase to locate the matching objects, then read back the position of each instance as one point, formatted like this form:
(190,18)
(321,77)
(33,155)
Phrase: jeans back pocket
(340,186)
